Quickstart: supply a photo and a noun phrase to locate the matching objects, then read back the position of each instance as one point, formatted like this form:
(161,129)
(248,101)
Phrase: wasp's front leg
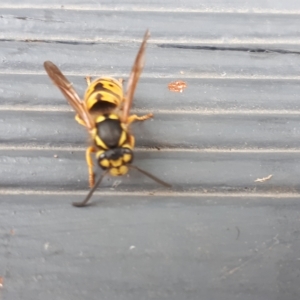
(134,118)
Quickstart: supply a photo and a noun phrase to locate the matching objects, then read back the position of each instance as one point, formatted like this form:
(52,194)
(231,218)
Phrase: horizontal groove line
(204,112)
(151,193)
(138,149)
(95,7)
(160,42)
(159,76)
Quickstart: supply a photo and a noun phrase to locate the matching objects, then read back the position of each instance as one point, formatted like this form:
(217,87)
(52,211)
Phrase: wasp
(105,112)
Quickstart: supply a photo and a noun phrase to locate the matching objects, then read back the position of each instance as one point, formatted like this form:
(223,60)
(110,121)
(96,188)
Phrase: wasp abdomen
(107,91)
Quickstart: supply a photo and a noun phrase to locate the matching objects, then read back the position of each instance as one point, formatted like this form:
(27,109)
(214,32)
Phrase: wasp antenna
(87,198)
(151,176)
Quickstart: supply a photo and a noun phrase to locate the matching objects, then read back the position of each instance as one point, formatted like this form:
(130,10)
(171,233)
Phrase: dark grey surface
(217,234)
(150,248)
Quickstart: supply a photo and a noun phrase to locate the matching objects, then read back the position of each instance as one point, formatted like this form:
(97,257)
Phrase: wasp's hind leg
(79,120)
(88,80)
(134,118)
(90,164)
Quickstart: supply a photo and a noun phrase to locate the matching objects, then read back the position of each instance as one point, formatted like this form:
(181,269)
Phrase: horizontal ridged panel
(184,28)
(204,5)
(108,59)
(203,95)
(200,171)
(165,130)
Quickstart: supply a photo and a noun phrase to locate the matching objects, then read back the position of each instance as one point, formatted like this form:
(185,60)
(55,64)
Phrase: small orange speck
(1,282)
(177,86)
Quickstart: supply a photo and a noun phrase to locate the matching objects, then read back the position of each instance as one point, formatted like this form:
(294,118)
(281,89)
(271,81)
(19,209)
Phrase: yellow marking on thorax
(113,116)
(122,138)
(127,146)
(100,119)
(100,143)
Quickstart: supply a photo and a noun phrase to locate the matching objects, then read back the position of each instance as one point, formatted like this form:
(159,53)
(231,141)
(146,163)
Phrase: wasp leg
(131,140)
(79,120)
(88,80)
(90,164)
(133,118)
(121,80)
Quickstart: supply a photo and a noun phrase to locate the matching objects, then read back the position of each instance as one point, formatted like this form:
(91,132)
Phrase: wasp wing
(134,77)
(70,94)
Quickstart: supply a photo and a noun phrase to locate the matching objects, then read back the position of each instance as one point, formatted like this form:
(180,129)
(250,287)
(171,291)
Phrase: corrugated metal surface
(217,234)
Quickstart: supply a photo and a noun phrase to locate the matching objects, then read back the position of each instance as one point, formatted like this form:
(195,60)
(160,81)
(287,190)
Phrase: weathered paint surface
(217,234)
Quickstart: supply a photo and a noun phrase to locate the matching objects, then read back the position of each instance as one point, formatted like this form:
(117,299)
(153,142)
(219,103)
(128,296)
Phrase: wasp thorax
(110,133)
(116,160)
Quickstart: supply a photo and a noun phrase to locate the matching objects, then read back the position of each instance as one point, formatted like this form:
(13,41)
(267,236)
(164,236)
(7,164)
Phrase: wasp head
(115,160)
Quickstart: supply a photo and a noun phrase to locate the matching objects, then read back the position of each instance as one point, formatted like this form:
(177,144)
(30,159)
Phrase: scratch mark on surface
(245,263)
(263,179)
(220,48)
(29,18)
(116,183)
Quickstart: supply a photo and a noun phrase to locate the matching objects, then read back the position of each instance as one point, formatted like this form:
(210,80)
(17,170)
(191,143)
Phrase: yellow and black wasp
(104,111)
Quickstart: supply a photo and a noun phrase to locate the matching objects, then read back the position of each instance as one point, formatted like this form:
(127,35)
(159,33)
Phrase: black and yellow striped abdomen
(104,92)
